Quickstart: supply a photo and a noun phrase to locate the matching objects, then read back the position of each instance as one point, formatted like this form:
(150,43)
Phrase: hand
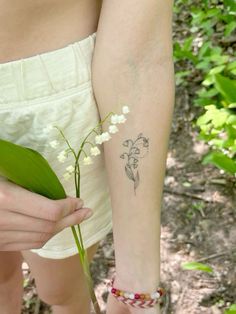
(28,220)
(116,307)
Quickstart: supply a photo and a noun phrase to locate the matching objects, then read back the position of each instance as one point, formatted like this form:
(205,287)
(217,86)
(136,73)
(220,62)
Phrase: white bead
(126,295)
(155,295)
(131,296)
(158,295)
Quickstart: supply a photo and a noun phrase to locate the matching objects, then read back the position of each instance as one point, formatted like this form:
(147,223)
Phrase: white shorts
(54,88)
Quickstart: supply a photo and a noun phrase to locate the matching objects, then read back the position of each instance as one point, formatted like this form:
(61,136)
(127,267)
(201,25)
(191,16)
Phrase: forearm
(148,89)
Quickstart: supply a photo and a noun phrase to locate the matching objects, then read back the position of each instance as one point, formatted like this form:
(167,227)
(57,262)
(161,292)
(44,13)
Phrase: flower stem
(82,252)
(77,235)
(85,265)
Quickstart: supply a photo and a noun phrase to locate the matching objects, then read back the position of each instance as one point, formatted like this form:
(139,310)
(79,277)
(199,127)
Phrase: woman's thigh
(10,263)
(59,281)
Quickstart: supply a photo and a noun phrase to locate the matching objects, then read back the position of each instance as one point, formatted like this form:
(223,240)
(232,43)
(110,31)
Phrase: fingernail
(80,203)
(88,214)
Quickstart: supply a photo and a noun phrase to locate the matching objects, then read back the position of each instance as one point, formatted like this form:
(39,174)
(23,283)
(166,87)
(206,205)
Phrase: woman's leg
(11,282)
(60,282)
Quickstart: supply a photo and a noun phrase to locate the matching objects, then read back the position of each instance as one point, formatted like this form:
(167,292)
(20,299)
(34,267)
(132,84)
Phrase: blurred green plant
(231,310)
(196,266)
(205,56)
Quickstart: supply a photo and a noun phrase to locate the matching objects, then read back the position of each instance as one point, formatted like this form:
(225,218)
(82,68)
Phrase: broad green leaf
(233,71)
(230,28)
(219,59)
(217,117)
(188,43)
(231,310)
(27,168)
(221,161)
(213,12)
(226,87)
(209,80)
(231,66)
(203,65)
(231,4)
(197,266)
(217,69)
(233,105)
(204,50)
(208,93)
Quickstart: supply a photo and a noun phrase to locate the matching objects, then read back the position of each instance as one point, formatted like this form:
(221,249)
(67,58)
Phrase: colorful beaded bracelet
(141,300)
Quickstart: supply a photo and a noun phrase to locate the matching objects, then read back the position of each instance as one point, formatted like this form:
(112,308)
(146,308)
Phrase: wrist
(137,281)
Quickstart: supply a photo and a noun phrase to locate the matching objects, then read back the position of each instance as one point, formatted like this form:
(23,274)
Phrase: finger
(74,219)
(24,237)
(67,206)
(11,221)
(35,205)
(21,246)
(9,236)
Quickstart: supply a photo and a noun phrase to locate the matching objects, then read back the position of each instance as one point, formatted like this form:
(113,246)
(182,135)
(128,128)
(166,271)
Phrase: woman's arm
(133,66)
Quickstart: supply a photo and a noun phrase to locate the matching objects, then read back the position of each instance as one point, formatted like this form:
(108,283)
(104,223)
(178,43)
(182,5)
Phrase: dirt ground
(198,224)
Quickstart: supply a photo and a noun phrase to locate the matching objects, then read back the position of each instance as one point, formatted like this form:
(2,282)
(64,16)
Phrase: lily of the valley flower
(87,160)
(95,151)
(98,139)
(70,169)
(125,109)
(62,156)
(67,175)
(113,129)
(105,136)
(54,144)
(115,118)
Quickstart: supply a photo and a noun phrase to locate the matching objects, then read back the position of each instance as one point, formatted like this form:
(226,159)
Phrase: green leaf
(197,266)
(209,80)
(204,50)
(219,59)
(231,310)
(221,161)
(208,93)
(27,168)
(217,117)
(231,66)
(217,69)
(230,28)
(233,105)
(203,65)
(231,4)
(226,87)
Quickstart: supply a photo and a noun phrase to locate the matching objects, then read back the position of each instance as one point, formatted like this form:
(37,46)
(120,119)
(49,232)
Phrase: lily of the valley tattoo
(136,149)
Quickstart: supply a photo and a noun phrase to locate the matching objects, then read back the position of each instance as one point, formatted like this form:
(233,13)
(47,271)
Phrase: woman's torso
(30,27)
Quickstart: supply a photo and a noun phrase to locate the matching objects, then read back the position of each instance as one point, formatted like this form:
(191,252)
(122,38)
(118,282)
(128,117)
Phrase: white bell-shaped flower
(87,160)
(95,151)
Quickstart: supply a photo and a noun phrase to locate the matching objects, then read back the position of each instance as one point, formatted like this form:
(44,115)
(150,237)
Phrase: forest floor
(198,224)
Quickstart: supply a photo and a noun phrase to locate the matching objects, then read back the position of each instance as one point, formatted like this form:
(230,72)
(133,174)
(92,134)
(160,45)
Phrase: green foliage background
(206,56)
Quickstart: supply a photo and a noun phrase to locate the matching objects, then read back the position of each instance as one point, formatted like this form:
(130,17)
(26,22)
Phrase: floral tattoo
(136,149)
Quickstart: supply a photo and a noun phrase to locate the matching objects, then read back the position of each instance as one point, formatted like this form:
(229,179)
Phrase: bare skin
(34,26)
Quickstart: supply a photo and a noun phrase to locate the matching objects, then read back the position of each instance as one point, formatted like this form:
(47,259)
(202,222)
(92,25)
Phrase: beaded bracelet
(141,300)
